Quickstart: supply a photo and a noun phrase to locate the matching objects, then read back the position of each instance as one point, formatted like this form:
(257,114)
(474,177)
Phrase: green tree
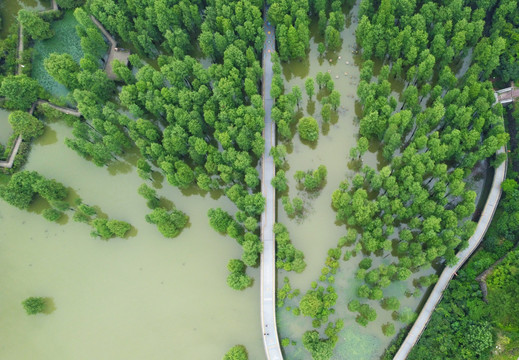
(170,224)
(237,352)
(63,69)
(118,227)
(52,214)
(34,25)
(280,181)
(34,305)
(388,329)
(69,4)
(308,129)
(20,91)
(25,124)
(326,112)
(309,87)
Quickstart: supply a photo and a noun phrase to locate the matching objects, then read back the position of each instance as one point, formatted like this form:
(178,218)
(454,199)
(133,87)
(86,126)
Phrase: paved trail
(268,257)
(447,274)
(113,53)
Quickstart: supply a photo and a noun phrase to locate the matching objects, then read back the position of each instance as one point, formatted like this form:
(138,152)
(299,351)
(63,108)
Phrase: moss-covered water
(65,40)
(144,297)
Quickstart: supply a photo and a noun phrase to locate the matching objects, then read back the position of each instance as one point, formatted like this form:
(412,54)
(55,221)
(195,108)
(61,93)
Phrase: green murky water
(65,40)
(145,297)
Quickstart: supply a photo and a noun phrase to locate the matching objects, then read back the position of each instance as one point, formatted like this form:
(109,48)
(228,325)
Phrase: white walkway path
(268,218)
(448,272)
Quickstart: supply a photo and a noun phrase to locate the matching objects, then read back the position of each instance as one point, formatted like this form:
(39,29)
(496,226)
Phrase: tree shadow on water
(49,307)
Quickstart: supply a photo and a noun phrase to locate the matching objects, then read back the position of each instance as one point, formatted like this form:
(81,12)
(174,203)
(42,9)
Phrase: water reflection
(49,307)
(49,137)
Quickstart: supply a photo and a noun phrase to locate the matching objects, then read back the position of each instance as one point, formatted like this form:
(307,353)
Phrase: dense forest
(192,104)
(472,323)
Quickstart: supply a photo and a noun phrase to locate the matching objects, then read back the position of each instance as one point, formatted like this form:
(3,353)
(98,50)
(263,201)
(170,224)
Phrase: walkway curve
(268,217)
(447,274)
(114,52)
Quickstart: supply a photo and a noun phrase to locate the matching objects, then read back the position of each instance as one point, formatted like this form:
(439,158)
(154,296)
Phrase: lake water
(145,297)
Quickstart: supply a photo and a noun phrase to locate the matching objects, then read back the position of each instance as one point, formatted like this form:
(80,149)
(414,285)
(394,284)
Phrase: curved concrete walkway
(268,218)
(113,53)
(448,272)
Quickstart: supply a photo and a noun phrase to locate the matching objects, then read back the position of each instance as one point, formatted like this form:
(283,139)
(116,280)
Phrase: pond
(144,297)
(65,40)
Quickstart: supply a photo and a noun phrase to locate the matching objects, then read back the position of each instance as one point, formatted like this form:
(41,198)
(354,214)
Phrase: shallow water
(65,40)
(318,231)
(5,127)
(144,297)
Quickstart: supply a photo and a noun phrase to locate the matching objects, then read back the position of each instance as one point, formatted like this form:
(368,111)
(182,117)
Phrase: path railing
(268,217)
(484,222)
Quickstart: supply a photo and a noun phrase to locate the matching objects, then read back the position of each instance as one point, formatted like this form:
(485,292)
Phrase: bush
(388,329)
(52,214)
(308,129)
(34,305)
(237,352)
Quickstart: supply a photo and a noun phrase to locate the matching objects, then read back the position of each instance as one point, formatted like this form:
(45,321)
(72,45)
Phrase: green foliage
(20,91)
(24,185)
(280,181)
(169,223)
(65,41)
(312,180)
(287,256)
(294,207)
(34,305)
(407,315)
(118,228)
(388,329)
(318,303)
(308,129)
(237,352)
(63,69)
(69,4)
(25,124)
(365,263)
(319,348)
(219,219)
(34,25)
(390,303)
(52,214)
(238,279)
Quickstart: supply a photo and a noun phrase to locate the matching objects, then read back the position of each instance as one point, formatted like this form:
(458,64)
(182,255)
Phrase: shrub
(34,305)
(308,129)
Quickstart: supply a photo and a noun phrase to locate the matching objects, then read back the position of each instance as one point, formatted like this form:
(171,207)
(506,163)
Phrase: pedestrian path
(447,274)
(268,218)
